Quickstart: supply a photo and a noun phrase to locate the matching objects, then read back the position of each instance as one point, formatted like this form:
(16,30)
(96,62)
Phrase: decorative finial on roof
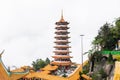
(2,53)
(62,18)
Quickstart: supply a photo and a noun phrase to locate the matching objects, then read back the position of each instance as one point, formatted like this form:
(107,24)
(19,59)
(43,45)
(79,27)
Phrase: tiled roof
(49,68)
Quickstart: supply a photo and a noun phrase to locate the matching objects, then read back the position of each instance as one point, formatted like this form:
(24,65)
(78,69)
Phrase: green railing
(111,52)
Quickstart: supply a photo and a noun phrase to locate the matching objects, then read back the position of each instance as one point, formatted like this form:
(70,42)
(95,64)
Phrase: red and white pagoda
(62,57)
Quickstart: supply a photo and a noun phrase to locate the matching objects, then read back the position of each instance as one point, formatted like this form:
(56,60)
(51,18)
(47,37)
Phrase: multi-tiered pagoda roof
(62,57)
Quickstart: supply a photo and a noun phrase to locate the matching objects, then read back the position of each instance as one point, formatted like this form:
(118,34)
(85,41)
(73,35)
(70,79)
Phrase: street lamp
(82,50)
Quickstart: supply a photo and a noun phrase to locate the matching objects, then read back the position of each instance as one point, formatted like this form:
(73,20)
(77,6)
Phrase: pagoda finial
(61,14)
(62,18)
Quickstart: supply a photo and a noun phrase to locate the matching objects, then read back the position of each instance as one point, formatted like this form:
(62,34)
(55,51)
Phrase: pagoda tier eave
(62,27)
(62,46)
(62,32)
(63,63)
(62,23)
(61,36)
(57,37)
(61,51)
(62,42)
(62,57)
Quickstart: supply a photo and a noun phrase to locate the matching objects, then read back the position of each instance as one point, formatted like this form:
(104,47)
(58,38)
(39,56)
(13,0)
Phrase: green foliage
(39,63)
(94,58)
(110,58)
(104,37)
(94,76)
(94,55)
(108,35)
(103,73)
(91,57)
(98,56)
(86,68)
(47,61)
(99,75)
(117,22)
(80,73)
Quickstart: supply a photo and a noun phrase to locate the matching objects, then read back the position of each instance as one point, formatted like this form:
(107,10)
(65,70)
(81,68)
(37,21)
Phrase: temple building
(61,56)
(6,74)
(60,67)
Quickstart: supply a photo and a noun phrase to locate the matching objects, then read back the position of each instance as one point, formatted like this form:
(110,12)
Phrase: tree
(39,63)
(103,73)
(103,36)
(94,57)
(98,56)
(91,59)
(117,26)
(106,37)
(110,58)
(47,61)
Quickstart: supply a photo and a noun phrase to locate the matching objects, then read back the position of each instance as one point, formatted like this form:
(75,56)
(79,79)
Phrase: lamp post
(82,50)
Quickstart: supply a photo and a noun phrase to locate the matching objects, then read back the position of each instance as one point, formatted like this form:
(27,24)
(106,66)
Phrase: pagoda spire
(62,18)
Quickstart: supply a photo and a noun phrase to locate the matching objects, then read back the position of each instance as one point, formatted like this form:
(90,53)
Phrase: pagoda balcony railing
(61,51)
(61,31)
(62,62)
(65,63)
(62,46)
(62,56)
(57,41)
(61,36)
(61,26)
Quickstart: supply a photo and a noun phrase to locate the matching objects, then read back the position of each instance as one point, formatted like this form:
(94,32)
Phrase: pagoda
(61,56)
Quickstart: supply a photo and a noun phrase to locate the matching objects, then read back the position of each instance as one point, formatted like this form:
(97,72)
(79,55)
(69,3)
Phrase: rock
(108,68)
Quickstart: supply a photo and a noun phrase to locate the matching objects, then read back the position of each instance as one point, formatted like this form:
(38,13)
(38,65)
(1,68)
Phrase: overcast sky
(27,26)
